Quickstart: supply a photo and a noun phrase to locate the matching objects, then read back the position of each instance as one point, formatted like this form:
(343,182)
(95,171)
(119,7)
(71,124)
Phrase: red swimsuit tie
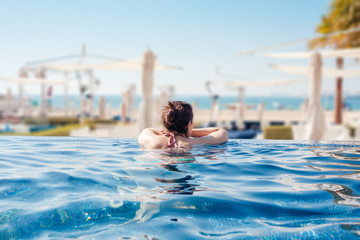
(172,140)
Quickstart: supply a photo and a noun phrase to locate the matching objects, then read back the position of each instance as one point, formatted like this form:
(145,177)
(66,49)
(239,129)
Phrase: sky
(195,35)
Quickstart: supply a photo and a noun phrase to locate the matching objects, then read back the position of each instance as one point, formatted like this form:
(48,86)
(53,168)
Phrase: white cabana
(338,73)
(315,118)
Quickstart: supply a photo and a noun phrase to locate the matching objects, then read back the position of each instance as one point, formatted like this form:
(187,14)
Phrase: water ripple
(65,188)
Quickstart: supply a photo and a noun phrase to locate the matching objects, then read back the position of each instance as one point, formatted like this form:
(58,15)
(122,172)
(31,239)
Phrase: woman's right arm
(209,136)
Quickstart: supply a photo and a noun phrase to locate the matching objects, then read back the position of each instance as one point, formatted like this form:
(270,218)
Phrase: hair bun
(171,105)
(171,114)
(176,116)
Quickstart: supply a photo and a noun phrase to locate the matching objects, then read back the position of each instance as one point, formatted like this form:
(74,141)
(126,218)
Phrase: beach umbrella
(147,81)
(316,124)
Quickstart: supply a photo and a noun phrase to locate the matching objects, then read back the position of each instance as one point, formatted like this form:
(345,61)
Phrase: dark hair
(176,116)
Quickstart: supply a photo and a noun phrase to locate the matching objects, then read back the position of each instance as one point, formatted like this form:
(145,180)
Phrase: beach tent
(315,118)
(326,72)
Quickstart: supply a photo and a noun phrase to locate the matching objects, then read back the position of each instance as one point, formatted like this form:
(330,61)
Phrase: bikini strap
(172,140)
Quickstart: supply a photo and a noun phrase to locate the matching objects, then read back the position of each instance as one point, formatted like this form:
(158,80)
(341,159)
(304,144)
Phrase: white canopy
(252,83)
(345,53)
(326,72)
(126,65)
(23,80)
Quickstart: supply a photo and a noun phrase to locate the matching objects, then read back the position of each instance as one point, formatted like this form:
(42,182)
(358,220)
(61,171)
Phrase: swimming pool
(105,188)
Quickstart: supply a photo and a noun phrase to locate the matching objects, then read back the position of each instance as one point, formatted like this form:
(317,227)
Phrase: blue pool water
(80,188)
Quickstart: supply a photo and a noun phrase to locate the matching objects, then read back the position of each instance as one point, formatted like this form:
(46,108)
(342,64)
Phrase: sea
(351,103)
(110,188)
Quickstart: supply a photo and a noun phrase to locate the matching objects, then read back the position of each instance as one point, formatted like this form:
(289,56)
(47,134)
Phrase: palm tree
(342,15)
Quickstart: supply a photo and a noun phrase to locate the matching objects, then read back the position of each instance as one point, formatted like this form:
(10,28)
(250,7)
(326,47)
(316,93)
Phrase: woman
(177,118)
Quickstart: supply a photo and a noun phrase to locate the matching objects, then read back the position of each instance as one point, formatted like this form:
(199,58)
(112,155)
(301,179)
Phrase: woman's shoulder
(152,138)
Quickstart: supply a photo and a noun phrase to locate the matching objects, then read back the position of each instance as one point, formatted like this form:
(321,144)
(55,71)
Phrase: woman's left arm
(209,136)
(201,132)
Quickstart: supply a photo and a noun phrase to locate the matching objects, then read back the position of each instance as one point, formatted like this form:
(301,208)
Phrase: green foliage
(342,15)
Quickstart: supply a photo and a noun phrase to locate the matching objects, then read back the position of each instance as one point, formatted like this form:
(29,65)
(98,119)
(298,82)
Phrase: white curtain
(316,123)
(147,88)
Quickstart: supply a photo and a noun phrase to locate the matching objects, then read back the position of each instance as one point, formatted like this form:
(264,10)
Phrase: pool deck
(334,132)
(117,131)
